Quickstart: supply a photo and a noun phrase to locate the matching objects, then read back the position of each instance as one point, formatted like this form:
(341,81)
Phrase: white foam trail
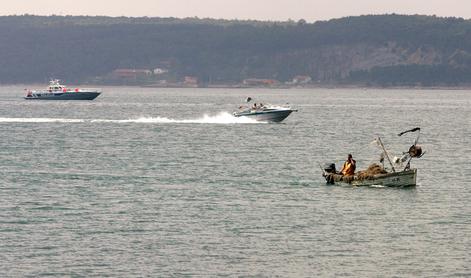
(377,186)
(221,118)
(40,120)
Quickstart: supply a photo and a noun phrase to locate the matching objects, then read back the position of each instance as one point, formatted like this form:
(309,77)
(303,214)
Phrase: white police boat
(57,91)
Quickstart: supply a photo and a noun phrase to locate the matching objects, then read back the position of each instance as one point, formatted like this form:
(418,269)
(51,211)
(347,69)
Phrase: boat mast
(386,154)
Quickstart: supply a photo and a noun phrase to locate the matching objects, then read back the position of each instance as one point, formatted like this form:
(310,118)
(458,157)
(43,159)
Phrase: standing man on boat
(348,168)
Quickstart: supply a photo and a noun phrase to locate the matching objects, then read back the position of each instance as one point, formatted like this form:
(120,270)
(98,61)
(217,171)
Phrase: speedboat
(57,91)
(262,113)
(376,174)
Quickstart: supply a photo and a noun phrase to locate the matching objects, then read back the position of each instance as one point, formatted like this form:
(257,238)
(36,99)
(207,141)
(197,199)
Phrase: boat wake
(40,120)
(377,186)
(221,118)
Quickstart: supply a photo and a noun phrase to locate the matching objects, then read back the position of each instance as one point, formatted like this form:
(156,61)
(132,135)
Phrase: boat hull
(405,178)
(64,96)
(266,116)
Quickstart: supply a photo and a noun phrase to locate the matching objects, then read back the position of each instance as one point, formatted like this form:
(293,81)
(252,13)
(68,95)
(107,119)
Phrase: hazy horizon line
(230,19)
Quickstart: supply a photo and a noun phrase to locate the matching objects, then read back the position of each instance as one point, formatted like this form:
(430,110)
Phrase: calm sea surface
(165,182)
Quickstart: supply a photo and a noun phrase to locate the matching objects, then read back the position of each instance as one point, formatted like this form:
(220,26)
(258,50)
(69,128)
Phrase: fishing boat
(404,178)
(57,91)
(264,113)
(376,174)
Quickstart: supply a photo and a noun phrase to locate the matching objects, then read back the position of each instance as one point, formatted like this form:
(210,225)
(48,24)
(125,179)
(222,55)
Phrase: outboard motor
(330,168)
(328,172)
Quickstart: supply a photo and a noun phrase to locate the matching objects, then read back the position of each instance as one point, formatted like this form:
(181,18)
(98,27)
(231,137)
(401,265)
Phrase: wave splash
(221,118)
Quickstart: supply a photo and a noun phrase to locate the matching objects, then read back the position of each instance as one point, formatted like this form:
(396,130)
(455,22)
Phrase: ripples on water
(158,182)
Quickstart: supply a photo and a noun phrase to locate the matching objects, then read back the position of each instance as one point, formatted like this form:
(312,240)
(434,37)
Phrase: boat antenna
(386,153)
(415,151)
(412,130)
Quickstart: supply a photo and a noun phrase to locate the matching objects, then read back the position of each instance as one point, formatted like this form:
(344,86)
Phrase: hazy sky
(310,10)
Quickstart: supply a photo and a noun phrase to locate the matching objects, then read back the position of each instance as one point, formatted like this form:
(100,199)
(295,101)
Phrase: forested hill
(385,50)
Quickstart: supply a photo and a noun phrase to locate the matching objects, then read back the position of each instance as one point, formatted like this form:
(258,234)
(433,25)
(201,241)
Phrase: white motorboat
(264,113)
(57,91)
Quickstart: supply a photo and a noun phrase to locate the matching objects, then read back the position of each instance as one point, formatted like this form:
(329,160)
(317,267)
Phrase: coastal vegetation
(376,50)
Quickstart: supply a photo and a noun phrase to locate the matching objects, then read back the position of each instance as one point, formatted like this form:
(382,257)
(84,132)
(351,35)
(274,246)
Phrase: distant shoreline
(381,51)
(332,86)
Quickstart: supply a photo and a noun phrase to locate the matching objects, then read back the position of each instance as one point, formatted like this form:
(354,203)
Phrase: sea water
(165,182)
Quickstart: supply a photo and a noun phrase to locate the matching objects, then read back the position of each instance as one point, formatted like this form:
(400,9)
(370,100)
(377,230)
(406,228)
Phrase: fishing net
(370,172)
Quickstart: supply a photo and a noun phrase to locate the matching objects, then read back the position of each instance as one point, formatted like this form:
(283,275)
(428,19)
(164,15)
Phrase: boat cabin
(54,86)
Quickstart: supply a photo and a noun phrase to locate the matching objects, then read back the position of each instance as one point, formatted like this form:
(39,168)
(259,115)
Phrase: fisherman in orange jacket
(348,168)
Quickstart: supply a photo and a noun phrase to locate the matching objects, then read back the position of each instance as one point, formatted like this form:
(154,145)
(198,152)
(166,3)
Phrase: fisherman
(348,168)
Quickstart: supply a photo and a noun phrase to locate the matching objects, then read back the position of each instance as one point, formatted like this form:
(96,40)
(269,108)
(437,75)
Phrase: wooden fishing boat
(376,175)
(404,178)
